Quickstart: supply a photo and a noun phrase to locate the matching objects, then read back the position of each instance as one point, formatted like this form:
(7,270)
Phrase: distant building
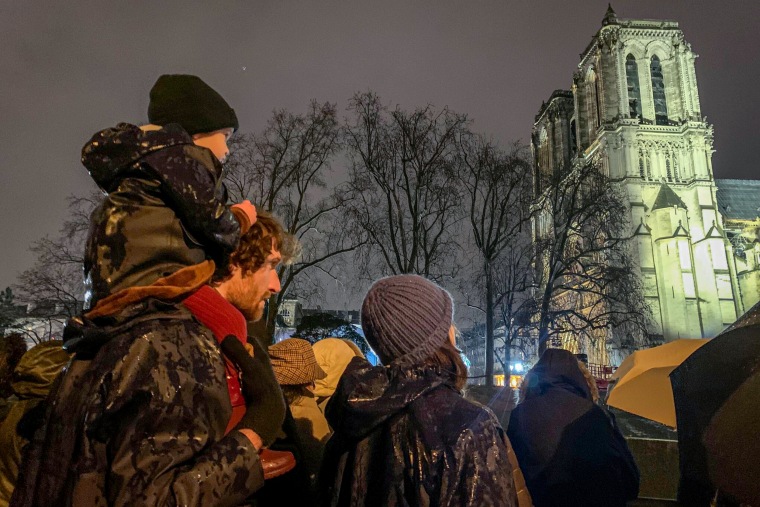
(38,323)
(350,316)
(634,109)
(291,312)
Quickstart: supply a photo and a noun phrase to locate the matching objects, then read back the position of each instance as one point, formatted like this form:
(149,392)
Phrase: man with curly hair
(162,403)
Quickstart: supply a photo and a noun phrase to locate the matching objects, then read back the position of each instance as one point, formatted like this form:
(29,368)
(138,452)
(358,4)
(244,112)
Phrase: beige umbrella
(642,383)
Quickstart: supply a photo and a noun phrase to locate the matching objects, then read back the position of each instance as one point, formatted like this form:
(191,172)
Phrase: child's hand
(249,210)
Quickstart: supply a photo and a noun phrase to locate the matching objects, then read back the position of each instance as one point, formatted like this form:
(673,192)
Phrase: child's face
(216,142)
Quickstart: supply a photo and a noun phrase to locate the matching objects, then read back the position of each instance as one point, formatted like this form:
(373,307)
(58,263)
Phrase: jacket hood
(38,368)
(333,355)
(111,152)
(557,368)
(367,395)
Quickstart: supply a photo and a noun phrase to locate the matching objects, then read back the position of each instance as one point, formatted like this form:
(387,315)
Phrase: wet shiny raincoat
(164,209)
(140,421)
(409,438)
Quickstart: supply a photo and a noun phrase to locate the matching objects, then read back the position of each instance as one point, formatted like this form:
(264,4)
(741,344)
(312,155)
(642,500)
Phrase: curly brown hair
(265,235)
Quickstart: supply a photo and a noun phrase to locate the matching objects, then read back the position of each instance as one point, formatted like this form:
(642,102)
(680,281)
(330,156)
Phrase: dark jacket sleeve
(198,197)
(224,474)
(481,473)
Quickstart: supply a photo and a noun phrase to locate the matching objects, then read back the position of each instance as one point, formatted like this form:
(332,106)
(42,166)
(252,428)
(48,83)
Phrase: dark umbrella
(733,449)
(701,385)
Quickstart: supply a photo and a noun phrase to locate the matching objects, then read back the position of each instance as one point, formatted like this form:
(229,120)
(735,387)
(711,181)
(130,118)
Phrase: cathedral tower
(634,107)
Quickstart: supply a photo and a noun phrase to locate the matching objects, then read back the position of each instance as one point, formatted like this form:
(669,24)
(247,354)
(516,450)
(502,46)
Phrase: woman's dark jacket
(409,438)
(164,208)
(139,419)
(569,450)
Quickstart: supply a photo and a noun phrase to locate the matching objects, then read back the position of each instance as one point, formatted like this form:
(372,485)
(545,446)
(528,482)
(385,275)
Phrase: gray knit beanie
(406,318)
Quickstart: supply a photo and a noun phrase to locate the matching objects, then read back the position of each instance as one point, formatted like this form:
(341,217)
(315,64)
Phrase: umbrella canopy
(642,382)
(701,385)
(733,449)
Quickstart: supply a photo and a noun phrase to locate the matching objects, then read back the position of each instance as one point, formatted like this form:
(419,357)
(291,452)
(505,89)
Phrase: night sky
(68,69)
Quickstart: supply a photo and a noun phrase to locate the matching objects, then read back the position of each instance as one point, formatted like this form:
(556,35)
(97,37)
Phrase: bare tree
(497,188)
(53,288)
(404,178)
(514,282)
(588,284)
(284,170)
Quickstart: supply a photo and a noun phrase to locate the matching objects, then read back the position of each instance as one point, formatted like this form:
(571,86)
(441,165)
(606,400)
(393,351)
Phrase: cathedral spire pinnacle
(610,18)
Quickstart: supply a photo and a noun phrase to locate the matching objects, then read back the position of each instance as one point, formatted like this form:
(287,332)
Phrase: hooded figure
(33,378)
(403,433)
(570,451)
(333,355)
(164,208)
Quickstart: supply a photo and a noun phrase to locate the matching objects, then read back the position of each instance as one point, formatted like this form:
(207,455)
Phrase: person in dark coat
(165,202)
(570,451)
(144,414)
(403,433)
(33,378)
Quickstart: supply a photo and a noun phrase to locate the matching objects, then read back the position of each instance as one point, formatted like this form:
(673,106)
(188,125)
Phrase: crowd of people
(159,396)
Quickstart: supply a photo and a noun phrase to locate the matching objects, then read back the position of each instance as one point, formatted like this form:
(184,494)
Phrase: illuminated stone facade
(634,108)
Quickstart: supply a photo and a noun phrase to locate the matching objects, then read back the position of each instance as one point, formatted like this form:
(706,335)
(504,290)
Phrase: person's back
(333,355)
(403,433)
(569,450)
(412,439)
(164,208)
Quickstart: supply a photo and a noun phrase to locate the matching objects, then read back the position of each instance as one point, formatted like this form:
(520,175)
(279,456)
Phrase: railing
(602,374)
(600,371)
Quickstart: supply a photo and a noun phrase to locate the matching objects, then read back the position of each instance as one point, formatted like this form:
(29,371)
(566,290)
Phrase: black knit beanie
(406,318)
(187,100)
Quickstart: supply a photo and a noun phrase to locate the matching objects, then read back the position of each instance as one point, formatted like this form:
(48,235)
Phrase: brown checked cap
(294,362)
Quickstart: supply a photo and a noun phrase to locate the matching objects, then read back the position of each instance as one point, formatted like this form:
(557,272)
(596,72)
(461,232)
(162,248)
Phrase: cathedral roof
(739,199)
(610,18)
(666,198)
(556,96)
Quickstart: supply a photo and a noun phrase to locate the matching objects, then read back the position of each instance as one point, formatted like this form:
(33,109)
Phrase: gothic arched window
(597,97)
(658,92)
(668,173)
(676,176)
(573,138)
(634,93)
(641,165)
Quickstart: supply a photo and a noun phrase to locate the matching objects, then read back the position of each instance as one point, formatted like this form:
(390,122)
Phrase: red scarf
(223,319)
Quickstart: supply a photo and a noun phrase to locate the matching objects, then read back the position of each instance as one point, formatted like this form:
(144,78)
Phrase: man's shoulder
(148,324)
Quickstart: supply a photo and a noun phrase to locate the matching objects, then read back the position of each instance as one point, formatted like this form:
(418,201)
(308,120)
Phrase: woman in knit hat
(403,433)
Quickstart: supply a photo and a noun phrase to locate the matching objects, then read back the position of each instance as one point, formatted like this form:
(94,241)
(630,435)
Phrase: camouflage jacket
(164,208)
(139,419)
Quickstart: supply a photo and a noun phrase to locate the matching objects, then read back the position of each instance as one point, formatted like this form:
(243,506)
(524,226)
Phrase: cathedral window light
(668,173)
(634,91)
(658,92)
(641,166)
